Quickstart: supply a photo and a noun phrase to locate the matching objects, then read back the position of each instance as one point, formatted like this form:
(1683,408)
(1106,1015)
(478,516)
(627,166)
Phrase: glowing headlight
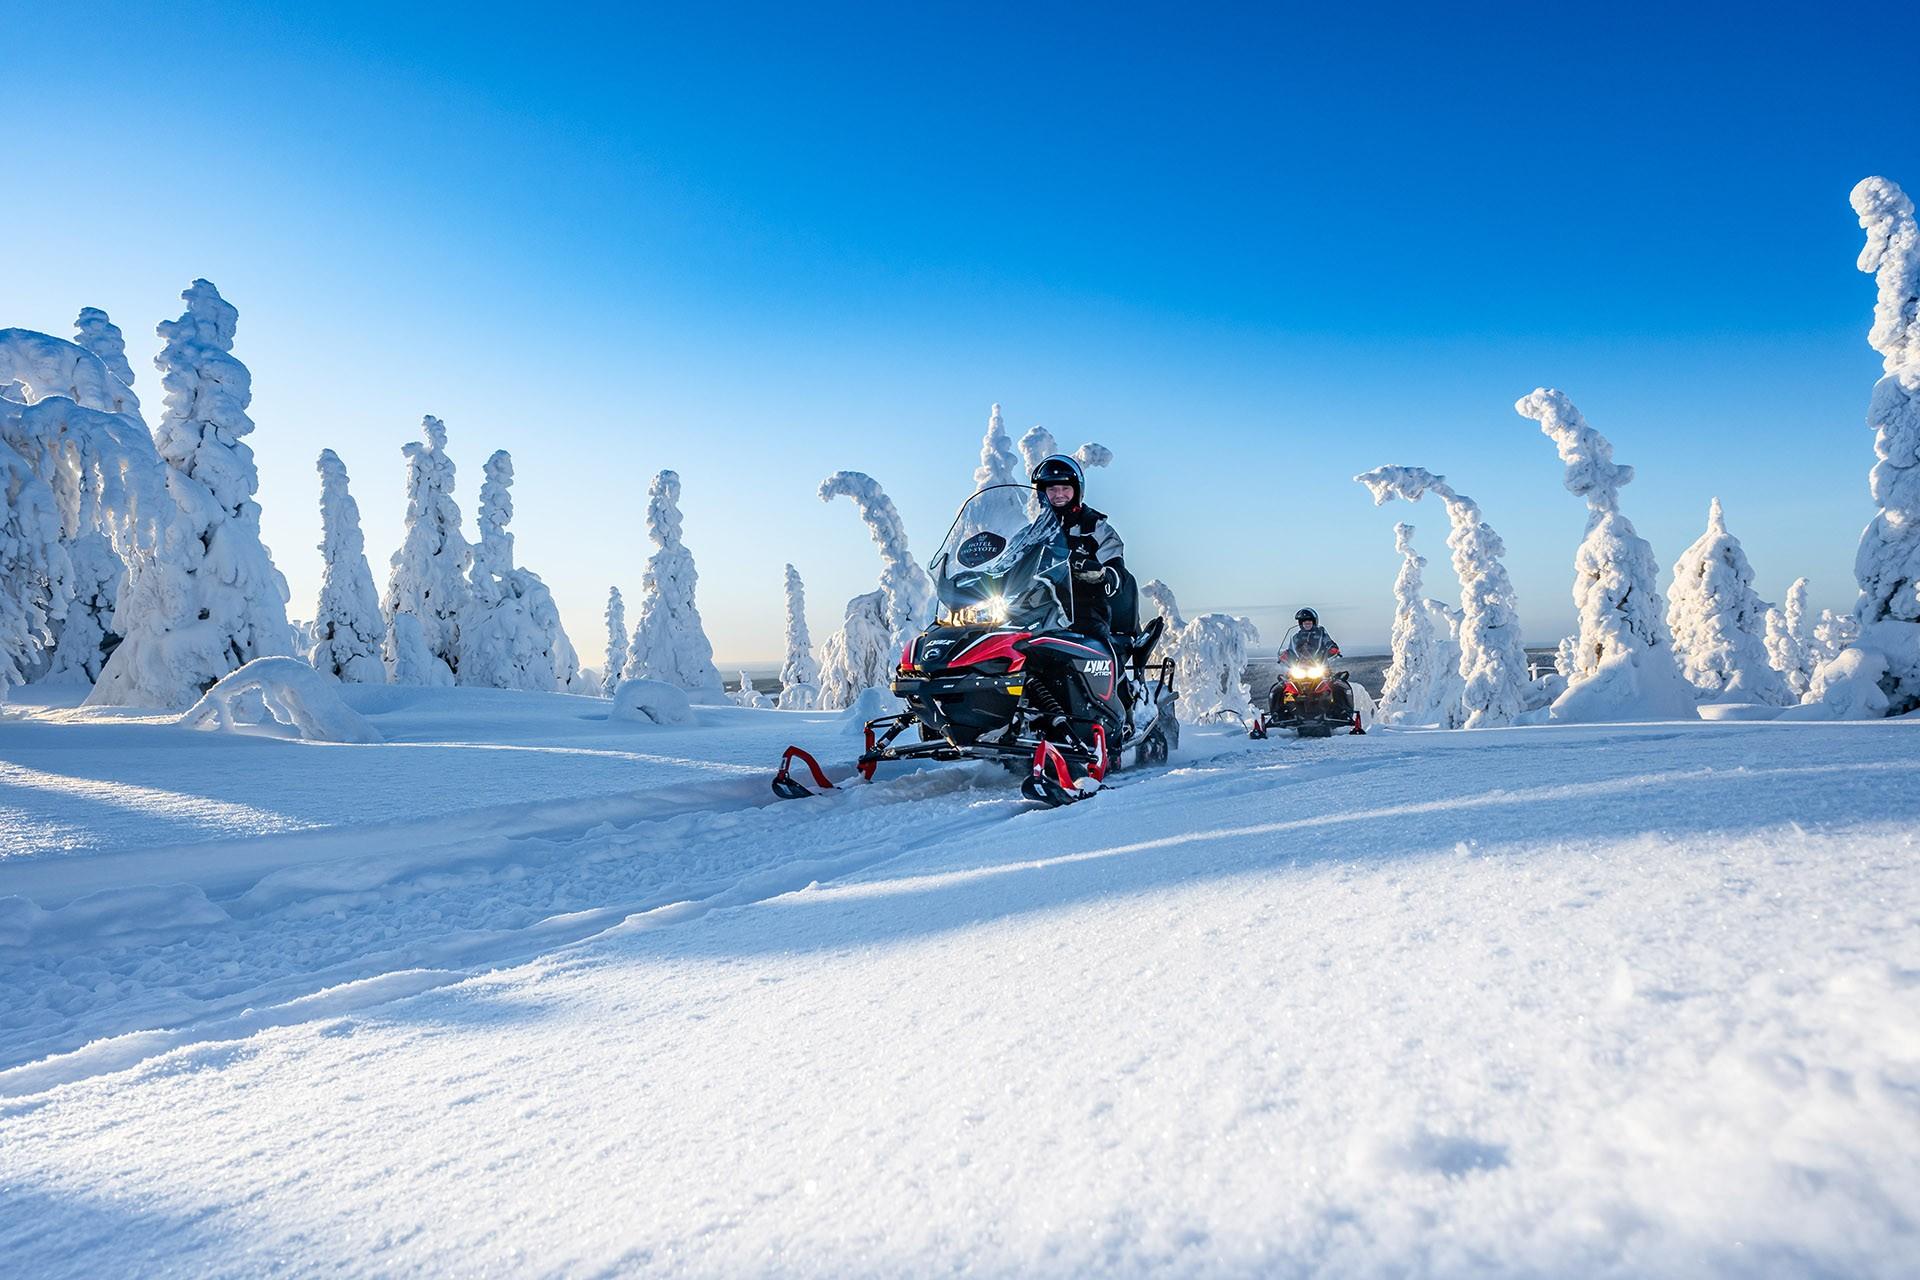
(1307,670)
(995,610)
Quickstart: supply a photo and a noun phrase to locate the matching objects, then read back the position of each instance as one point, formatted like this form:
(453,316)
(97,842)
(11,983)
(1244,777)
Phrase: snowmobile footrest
(784,784)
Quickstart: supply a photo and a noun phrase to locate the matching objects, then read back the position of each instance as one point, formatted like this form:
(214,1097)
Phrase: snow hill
(519,989)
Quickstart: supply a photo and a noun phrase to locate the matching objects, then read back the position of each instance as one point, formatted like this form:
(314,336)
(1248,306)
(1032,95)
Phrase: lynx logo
(1097,667)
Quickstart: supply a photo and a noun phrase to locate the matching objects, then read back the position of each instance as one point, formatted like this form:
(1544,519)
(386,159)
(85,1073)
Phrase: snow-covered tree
(1408,691)
(1038,443)
(428,578)
(510,635)
(1887,565)
(1210,659)
(94,331)
(616,642)
(1622,665)
(228,604)
(800,674)
(906,586)
(1789,640)
(1003,510)
(1493,662)
(1449,686)
(1832,634)
(748,696)
(669,641)
(859,656)
(1719,623)
(34,571)
(348,630)
(50,366)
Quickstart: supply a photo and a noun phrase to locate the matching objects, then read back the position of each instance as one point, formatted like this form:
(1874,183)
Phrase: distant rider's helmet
(1307,618)
(1059,469)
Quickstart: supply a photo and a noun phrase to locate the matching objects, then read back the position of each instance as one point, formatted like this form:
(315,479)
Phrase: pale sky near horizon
(1254,251)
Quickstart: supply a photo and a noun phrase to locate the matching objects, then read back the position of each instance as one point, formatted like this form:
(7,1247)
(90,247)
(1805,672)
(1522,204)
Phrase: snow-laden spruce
(1719,622)
(859,656)
(905,584)
(669,641)
(1038,443)
(100,335)
(745,695)
(1449,686)
(1789,640)
(1887,565)
(223,603)
(1621,665)
(800,673)
(1408,693)
(505,643)
(1210,658)
(34,571)
(1004,509)
(616,642)
(348,630)
(1493,662)
(427,590)
(50,366)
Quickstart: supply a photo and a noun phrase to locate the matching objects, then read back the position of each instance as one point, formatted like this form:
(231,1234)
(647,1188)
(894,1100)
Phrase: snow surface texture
(1555,1001)
(1209,656)
(669,641)
(859,656)
(281,694)
(1409,694)
(1493,662)
(1621,666)
(1720,623)
(644,700)
(999,465)
(1887,565)
(907,589)
(616,642)
(799,674)
(427,590)
(348,630)
(233,602)
(1038,443)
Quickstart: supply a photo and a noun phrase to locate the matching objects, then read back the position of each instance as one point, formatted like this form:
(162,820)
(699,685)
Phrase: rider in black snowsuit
(1311,642)
(1095,551)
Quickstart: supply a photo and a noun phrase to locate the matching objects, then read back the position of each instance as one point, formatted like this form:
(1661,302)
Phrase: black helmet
(1059,469)
(1307,618)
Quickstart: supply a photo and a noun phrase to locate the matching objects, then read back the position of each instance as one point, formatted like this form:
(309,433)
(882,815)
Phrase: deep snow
(525,990)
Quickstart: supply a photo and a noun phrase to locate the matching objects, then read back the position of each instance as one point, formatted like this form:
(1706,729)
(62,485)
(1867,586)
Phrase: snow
(1493,662)
(1209,655)
(800,673)
(1409,694)
(95,331)
(616,661)
(641,700)
(1526,1001)
(745,695)
(1720,623)
(1624,648)
(1789,641)
(907,589)
(669,641)
(1849,686)
(349,632)
(510,635)
(859,656)
(35,572)
(427,588)
(284,696)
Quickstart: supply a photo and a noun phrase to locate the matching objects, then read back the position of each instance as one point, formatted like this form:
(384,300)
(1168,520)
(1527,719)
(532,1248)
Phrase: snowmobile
(1306,698)
(1002,675)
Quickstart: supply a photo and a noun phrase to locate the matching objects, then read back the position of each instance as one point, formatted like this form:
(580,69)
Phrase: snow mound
(646,701)
(871,704)
(1847,688)
(280,695)
(1624,687)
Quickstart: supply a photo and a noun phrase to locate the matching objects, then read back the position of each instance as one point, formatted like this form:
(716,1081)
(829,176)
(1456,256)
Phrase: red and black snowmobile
(1002,675)
(1309,697)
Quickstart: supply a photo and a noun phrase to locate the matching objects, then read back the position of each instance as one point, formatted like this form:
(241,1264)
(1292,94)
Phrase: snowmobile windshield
(1308,645)
(998,566)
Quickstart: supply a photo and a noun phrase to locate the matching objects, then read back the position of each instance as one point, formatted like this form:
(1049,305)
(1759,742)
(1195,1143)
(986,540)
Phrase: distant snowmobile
(1001,675)
(1309,697)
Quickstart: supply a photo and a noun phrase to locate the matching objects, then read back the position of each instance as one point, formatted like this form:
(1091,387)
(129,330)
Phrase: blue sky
(1253,250)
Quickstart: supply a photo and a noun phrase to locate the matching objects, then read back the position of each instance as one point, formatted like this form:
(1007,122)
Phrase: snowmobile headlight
(995,610)
(1307,670)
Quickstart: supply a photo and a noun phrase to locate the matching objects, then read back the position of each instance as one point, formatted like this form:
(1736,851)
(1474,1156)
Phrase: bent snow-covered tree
(34,570)
(906,586)
(348,630)
(1408,691)
(800,673)
(1493,662)
(1622,663)
(1004,509)
(218,602)
(1887,565)
(669,641)
(859,656)
(1719,622)
(616,642)
(427,591)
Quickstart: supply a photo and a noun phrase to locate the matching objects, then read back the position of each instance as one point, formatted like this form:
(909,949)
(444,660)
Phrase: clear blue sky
(1254,250)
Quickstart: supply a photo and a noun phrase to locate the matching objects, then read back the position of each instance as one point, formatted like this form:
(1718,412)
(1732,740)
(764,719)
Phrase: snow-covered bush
(643,701)
(616,642)
(1004,510)
(428,578)
(1623,649)
(503,643)
(800,673)
(859,656)
(1493,662)
(748,696)
(1887,565)
(348,630)
(1209,656)
(1850,686)
(34,571)
(908,590)
(282,695)
(216,601)
(669,641)
(1719,622)
(1408,690)
(1038,443)
(1789,641)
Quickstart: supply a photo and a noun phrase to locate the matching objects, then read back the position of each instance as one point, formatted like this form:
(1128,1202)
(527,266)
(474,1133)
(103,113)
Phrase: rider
(1094,549)
(1311,642)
